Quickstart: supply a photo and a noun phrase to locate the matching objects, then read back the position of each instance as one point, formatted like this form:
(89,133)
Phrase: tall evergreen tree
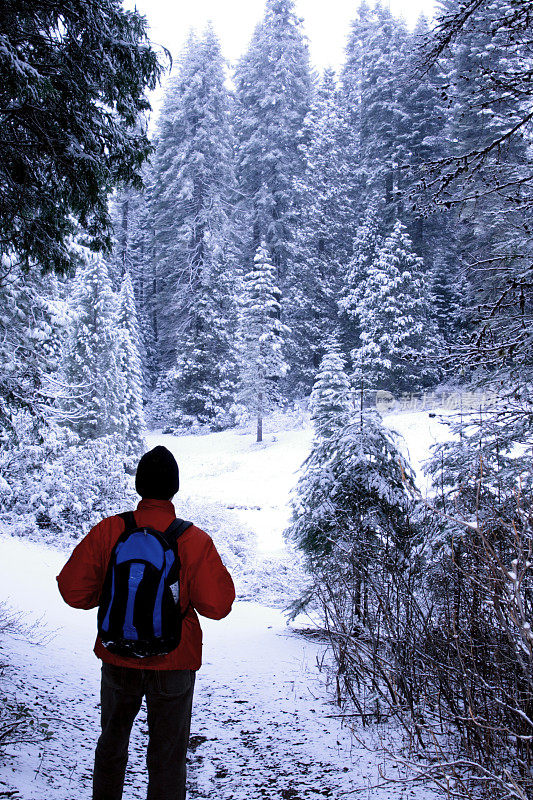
(323,236)
(273,88)
(453,299)
(191,196)
(261,338)
(421,140)
(372,79)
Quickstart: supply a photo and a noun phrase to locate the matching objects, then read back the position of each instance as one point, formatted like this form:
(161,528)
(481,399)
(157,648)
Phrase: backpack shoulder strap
(129,520)
(176,528)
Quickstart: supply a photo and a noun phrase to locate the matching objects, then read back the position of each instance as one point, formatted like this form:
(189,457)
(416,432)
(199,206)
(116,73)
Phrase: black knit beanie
(157,475)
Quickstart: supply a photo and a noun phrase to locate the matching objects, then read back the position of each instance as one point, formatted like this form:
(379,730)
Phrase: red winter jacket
(205,584)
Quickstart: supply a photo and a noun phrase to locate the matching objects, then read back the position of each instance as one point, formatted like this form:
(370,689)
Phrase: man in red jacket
(167,681)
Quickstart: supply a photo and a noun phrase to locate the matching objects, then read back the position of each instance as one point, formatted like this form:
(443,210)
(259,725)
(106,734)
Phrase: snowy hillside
(232,472)
(239,491)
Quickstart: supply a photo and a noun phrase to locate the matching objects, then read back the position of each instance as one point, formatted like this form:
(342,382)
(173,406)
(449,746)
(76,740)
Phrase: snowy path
(263,725)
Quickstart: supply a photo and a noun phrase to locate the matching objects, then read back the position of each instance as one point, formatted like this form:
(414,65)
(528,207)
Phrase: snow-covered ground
(264,725)
(419,431)
(234,471)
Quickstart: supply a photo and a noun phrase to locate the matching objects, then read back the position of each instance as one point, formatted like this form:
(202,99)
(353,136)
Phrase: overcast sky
(326,23)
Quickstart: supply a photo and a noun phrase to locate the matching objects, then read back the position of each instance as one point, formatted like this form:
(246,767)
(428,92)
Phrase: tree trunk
(260,418)
(124,246)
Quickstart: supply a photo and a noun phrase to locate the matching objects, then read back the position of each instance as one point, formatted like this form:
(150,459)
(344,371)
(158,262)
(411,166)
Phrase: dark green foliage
(72,82)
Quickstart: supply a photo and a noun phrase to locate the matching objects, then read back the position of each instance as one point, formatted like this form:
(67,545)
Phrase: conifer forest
(283,242)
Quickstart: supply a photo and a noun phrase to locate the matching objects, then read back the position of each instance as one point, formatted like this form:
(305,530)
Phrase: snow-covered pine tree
(131,412)
(350,506)
(393,113)
(330,403)
(366,244)
(314,527)
(372,80)
(261,339)
(273,89)
(322,238)
(94,386)
(399,338)
(192,191)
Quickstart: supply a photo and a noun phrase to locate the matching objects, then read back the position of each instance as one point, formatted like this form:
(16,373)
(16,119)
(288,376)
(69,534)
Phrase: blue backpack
(139,613)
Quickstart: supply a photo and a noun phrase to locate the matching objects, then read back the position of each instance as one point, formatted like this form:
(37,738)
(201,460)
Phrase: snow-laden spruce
(323,221)
(261,340)
(399,339)
(350,508)
(273,92)
(193,249)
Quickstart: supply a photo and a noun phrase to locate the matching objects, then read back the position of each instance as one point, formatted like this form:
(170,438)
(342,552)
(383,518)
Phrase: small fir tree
(94,384)
(330,403)
(351,503)
(262,338)
(399,338)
